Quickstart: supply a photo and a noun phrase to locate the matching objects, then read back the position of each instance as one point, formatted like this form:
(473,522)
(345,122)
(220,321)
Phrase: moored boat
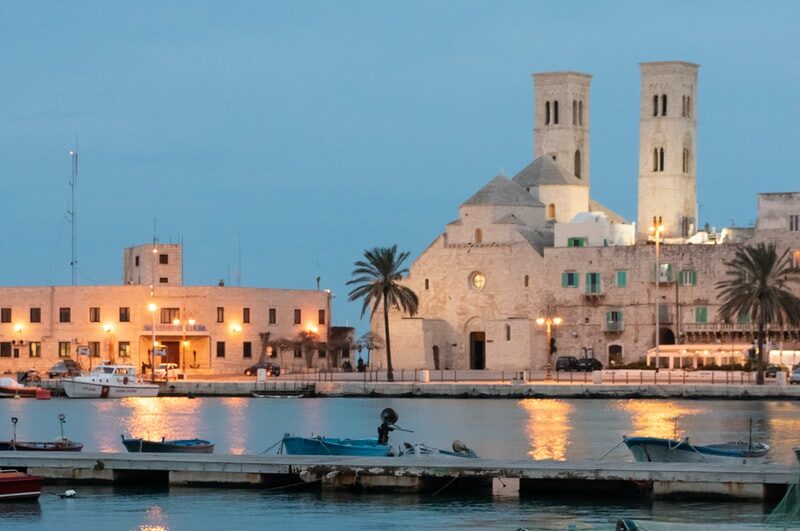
(108,381)
(11,388)
(319,445)
(423,450)
(16,485)
(181,446)
(61,444)
(659,450)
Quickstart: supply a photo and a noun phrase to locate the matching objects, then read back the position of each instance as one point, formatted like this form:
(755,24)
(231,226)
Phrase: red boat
(16,485)
(10,388)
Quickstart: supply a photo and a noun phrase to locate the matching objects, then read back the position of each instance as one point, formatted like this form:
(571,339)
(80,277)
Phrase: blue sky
(310,131)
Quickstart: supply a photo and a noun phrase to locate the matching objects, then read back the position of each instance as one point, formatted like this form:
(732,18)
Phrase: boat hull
(80,389)
(177,446)
(37,446)
(422,450)
(24,392)
(19,486)
(331,446)
(657,450)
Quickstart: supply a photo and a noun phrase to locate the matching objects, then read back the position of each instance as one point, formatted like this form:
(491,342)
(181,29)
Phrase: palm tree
(757,284)
(376,279)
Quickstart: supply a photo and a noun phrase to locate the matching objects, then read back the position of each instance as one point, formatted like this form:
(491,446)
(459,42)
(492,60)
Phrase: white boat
(658,450)
(108,381)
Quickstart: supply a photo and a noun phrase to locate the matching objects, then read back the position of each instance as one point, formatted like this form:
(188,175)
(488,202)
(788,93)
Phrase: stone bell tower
(667,148)
(561,120)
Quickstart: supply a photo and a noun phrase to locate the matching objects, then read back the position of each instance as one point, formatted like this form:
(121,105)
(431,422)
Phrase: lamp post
(657,228)
(152,309)
(182,320)
(108,328)
(549,321)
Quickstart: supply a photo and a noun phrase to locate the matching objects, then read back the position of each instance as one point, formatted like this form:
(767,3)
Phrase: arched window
(527,280)
(547,113)
(688,106)
(551,211)
(574,112)
(663,105)
(478,236)
(683,106)
(580,112)
(655,105)
(555,112)
(427,284)
(655,159)
(660,159)
(578,164)
(508,332)
(686,159)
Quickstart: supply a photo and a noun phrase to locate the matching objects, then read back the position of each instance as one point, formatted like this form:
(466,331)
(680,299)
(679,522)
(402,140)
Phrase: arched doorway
(666,336)
(477,350)
(614,355)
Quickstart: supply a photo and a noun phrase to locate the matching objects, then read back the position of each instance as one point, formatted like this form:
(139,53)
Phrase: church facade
(537,247)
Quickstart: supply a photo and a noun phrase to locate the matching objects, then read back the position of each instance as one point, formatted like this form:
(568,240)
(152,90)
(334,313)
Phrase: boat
(423,450)
(108,381)
(319,445)
(15,485)
(164,446)
(61,444)
(9,387)
(658,450)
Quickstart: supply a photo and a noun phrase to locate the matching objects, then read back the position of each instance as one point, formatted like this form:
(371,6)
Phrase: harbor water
(536,428)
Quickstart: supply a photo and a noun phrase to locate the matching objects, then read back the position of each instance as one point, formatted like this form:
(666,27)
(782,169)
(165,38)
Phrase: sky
(297,134)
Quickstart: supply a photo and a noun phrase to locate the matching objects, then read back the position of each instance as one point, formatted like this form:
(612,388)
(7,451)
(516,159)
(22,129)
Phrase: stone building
(204,329)
(537,246)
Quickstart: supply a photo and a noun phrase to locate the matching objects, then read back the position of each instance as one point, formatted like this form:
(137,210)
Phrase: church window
(688,106)
(508,332)
(478,236)
(527,281)
(477,280)
(794,222)
(578,164)
(555,112)
(663,105)
(655,105)
(655,159)
(551,211)
(427,284)
(683,105)
(580,112)
(685,160)
(547,113)
(660,159)
(574,112)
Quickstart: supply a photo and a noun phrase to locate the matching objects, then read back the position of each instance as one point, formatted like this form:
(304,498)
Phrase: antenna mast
(73,214)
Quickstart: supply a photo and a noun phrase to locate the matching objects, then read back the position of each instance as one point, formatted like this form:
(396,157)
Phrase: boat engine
(388,418)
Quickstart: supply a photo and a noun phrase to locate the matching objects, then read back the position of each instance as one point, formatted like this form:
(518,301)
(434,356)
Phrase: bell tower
(561,120)
(667,148)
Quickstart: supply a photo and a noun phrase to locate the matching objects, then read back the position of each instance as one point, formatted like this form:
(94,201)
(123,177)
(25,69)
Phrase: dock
(411,474)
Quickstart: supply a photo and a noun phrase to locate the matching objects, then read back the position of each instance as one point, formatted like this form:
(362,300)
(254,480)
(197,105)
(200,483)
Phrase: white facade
(593,229)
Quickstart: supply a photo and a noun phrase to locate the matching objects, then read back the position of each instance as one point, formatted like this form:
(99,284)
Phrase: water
(537,428)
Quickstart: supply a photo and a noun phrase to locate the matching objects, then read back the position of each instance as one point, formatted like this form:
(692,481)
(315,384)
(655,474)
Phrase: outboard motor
(462,449)
(388,418)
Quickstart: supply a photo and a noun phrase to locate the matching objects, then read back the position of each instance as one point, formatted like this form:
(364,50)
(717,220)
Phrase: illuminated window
(63,349)
(169,314)
(124,349)
(35,349)
(551,211)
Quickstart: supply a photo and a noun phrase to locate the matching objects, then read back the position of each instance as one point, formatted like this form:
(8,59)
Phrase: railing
(719,327)
(614,326)
(172,328)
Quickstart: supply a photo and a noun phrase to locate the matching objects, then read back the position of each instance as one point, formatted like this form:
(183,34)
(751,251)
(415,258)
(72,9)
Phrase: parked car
(772,370)
(64,368)
(589,365)
(271,368)
(566,363)
(795,376)
(165,371)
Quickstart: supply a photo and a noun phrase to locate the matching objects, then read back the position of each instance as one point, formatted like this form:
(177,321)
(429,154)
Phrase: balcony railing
(175,329)
(614,327)
(720,327)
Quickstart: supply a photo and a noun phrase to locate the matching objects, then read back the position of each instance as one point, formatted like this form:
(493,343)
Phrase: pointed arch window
(547,113)
(658,159)
(688,106)
(551,211)
(686,159)
(663,105)
(655,159)
(578,164)
(478,236)
(580,112)
(655,105)
(555,112)
(574,112)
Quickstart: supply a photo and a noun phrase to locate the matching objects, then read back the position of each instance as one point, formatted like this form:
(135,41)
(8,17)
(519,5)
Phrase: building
(537,246)
(204,329)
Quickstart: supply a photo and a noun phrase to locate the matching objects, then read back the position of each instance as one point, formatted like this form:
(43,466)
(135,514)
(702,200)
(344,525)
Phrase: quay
(411,474)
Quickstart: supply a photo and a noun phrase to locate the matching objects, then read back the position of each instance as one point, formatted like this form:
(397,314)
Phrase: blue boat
(175,446)
(294,445)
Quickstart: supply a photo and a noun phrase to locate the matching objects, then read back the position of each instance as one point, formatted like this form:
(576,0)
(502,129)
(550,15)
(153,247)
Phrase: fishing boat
(108,381)
(11,388)
(658,450)
(15,485)
(319,445)
(61,444)
(423,450)
(179,446)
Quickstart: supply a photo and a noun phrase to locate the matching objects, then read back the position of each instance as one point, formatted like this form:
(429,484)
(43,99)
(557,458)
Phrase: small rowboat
(11,388)
(173,446)
(319,445)
(16,485)
(658,450)
(61,444)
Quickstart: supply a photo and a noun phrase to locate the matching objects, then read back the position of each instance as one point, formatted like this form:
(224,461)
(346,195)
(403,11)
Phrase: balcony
(173,329)
(712,328)
(665,274)
(613,327)
(665,318)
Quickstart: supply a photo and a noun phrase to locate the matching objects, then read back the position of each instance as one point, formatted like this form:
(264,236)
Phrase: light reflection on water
(657,418)
(547,428)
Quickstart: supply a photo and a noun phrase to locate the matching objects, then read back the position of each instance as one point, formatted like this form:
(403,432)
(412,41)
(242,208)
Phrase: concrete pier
(410,474)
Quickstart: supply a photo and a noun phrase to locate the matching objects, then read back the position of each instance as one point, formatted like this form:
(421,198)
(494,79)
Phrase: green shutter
(564,280)
(622,279)
(701,314)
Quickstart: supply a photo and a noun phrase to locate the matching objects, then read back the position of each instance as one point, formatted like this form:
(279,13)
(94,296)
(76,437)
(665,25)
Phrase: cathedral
(534,256)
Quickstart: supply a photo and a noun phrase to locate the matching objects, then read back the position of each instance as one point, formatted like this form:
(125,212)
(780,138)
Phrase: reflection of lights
(237,423)
(656,418)
(154,418)
(155,518)
(547,428)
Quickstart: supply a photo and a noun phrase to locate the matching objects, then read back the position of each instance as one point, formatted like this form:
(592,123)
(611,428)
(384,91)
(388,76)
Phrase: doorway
(477,350)
(436,357)
(173,352)
(666,337)
(614,355)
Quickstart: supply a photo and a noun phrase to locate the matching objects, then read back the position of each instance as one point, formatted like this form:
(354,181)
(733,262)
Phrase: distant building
(204,329)
(537,245)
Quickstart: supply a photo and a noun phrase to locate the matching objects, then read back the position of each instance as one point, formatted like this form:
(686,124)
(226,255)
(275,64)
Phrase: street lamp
(108,328)
(182,320)
(152,309)
(549,321)
(656,229)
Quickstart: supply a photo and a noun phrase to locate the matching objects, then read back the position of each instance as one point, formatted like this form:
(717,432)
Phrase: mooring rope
(280,441)
(615,447)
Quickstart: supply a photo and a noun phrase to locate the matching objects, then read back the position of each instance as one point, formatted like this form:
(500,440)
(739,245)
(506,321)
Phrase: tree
(377,280)
(757,284)
(369,342)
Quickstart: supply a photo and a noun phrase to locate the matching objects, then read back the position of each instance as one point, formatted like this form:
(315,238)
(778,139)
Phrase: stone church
(537,246)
